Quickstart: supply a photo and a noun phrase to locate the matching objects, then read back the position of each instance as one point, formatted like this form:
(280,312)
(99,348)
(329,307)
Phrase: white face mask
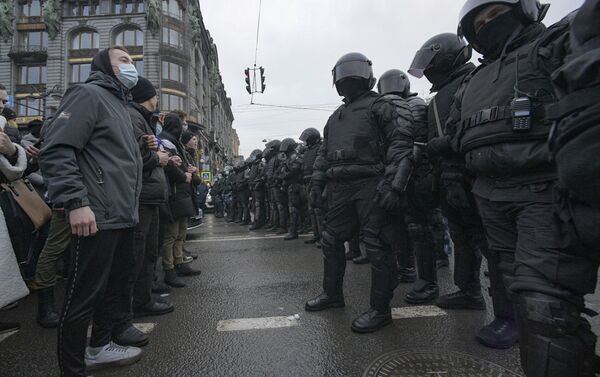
(128,75)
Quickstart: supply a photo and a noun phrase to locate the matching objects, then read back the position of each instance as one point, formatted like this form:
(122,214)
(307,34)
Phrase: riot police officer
(422,216)
(312,138)
(228,194)
(216,193)
(270,172)
(293,182)
(280,192)
(444,61)
(257,187)
(503,131)
(366,154)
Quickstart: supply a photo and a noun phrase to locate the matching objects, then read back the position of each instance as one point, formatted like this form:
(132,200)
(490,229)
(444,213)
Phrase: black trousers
(145,254)
(97,288)
(466,230)
(351,210)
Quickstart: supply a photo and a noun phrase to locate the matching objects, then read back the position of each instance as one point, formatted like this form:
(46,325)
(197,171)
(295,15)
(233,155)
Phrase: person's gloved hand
(439,145)
(315,194)
(387,198)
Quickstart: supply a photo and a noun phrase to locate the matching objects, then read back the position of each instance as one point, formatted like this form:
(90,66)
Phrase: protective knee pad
(555,339)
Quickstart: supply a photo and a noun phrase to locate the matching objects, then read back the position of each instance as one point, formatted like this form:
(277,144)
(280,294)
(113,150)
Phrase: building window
(129,6)
(139,67)
(170,102)
(171,37)
(33,40)
(32,74)
(30,107)
(172,8)
(130,38)
(172,71)
(80,72)
(31,8)
(85,40)
(82,8)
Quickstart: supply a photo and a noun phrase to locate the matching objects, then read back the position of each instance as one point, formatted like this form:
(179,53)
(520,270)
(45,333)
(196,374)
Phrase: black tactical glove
(387,198)
(439,145)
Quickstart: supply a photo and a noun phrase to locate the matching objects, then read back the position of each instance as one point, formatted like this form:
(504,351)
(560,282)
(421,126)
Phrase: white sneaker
(111,355)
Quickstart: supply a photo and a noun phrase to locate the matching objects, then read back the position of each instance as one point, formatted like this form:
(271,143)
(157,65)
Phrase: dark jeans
(96,289)
(145,254)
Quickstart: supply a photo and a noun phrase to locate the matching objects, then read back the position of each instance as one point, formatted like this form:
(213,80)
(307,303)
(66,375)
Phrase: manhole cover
(434,364)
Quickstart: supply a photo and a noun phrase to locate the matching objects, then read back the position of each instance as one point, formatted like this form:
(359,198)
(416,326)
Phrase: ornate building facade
(47,46)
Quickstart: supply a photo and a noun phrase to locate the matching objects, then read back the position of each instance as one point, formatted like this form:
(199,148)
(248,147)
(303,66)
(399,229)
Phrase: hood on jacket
(172,124)
(102,74)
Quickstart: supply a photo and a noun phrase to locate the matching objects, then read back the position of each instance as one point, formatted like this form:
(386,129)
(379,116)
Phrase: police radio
(521,114)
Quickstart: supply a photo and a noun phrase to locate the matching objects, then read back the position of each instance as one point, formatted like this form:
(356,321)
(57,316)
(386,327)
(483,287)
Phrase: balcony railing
(28,53)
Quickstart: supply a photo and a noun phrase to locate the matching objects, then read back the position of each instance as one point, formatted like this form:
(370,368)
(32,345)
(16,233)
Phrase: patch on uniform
(434,364)
(64,115)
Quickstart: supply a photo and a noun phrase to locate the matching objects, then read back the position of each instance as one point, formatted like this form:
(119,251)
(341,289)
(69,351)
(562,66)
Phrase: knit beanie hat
(143,90)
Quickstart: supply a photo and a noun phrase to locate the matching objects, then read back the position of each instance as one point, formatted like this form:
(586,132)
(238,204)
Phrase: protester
(180,206)
(92,165)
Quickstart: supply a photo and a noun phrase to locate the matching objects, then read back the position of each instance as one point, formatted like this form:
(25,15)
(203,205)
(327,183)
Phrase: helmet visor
(422,60)
(354,68)
(394,84)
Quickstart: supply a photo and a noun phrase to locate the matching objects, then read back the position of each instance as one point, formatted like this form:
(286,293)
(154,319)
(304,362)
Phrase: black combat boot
(333,279)
(185,269)
(47,316)
(501,333)
(293,229)
(173,280)
(383,282)
(462,300)
(426,288)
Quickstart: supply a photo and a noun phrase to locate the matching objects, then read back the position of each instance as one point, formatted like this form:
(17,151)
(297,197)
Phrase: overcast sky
(300,41)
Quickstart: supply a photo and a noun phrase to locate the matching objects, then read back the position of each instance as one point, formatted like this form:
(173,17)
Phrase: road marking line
(242,324)
(4,336)
(417,311)
(219,239)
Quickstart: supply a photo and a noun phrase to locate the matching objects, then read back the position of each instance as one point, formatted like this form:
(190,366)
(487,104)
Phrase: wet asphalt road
(251,278)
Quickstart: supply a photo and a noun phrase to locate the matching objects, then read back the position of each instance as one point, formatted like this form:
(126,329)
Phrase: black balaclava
(173,125)
(493,36)
(434,76)
(101,63)
(351,88)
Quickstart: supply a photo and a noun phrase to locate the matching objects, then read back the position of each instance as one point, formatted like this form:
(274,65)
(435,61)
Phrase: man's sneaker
(191,254)
(500,334)
(187,259)
(111,355)
(160,288)
(131,336)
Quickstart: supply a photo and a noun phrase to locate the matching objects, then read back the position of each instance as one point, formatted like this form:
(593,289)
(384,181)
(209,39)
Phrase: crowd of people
(386,175)
(123,182)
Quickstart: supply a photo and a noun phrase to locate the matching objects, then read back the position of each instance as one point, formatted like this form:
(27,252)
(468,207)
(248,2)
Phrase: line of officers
(508,150)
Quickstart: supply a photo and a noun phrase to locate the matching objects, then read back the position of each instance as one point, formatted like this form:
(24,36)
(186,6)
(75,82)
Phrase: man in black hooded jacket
(93,168)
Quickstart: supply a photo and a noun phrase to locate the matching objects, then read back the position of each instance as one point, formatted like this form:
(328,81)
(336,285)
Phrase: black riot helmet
(310,136)
(255,155)
(441,53)
(356,66)
(273,145)
(288,145)
(527,11)
(394,81)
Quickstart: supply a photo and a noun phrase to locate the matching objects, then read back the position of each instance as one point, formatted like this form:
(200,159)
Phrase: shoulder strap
(437,117)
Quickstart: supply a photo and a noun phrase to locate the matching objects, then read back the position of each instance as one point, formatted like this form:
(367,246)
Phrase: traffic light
(262,80)
(247,73)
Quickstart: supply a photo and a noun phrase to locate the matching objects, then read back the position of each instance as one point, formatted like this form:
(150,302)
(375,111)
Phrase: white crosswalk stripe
(242,324)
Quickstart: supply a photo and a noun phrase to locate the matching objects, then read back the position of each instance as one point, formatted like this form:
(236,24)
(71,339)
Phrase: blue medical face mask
(128,75)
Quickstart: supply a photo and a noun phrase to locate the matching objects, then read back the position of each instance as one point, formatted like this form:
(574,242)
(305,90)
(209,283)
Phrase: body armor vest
(309,160)
(486,104)
(352,134)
